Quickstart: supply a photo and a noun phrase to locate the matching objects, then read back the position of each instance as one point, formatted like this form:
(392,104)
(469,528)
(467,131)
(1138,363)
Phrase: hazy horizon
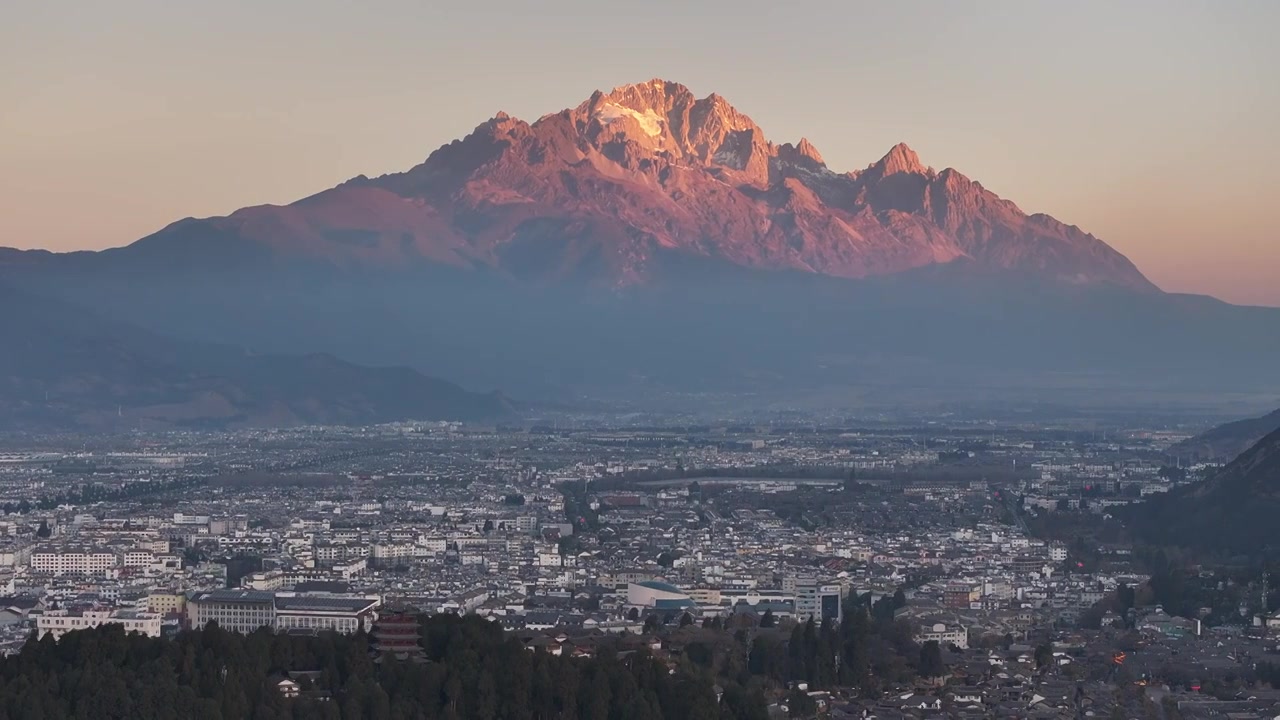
(1148,125)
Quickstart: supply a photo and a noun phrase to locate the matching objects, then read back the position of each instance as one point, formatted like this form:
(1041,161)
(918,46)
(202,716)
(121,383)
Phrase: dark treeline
(958,471)
(1185,586)
(254,480)
(95,492)
(474,670)
(854,433)
(781,472)
(869,650)
(577,508)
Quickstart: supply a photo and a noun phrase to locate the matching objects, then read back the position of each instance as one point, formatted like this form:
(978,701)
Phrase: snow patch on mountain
(650,121)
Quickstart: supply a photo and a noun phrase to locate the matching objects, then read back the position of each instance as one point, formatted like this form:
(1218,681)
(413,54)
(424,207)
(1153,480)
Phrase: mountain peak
(657,95)
(651,167)
(806,149)
(901,159)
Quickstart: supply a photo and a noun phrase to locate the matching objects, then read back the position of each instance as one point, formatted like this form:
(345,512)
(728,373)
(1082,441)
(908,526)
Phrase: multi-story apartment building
(331,553)
(164,602)
(351,567)
(704,596)
(388,554)
(620,581)
(817,600)
(15,554)
(139,559)
(961,595)
(73,560)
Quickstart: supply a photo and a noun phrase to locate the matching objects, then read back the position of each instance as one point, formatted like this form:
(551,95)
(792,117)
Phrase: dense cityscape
(984,564)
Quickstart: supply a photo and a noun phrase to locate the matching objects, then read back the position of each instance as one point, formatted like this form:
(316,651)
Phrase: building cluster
(572,534)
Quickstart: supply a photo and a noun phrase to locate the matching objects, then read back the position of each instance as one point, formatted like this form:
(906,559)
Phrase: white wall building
(240,611)
(944,634)
(79,561)
(60,622)
(325,613)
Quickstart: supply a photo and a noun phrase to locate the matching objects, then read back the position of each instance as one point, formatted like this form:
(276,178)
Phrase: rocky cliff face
(596,193)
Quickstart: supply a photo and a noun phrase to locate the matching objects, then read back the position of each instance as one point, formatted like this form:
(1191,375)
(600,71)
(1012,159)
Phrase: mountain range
(648,239)
(605,192)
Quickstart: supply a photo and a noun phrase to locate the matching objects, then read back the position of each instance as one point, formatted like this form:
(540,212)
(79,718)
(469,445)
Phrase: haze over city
(1148,125)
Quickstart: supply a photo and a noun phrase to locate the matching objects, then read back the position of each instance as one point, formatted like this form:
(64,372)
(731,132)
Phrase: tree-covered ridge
(474,670)
(1231,512)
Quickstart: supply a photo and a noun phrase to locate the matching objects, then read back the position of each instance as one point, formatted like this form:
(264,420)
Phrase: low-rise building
(325,613)
(237,610)
(944,634)
(60,622)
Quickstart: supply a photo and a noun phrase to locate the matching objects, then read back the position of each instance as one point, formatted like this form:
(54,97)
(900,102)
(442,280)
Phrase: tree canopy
(474,670)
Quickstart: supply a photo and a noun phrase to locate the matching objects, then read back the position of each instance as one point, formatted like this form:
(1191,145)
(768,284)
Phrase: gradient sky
(1151,124)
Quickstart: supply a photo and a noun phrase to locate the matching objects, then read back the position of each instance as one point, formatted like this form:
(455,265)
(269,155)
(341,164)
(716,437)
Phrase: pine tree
(931,660)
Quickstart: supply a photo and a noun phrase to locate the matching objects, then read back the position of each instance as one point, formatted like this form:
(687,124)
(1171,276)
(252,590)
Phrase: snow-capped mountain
(595,192)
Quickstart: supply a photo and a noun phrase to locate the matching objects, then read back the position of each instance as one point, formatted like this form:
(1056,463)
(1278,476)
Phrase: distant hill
(1234,511)
(1225,442)
(65,367)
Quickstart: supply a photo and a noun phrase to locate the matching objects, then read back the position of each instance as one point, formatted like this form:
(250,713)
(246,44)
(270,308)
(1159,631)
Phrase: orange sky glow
(1148,124)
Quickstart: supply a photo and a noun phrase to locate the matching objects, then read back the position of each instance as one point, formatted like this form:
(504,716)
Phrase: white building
(60,622)
(944,634)
(814,599)
(389,554)
(658,596)
(139,559)
(240,611)
(245,611)
(74,560)
(317,613)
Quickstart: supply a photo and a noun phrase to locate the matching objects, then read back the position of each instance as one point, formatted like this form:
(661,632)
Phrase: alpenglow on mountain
(598,192)
(648,239)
